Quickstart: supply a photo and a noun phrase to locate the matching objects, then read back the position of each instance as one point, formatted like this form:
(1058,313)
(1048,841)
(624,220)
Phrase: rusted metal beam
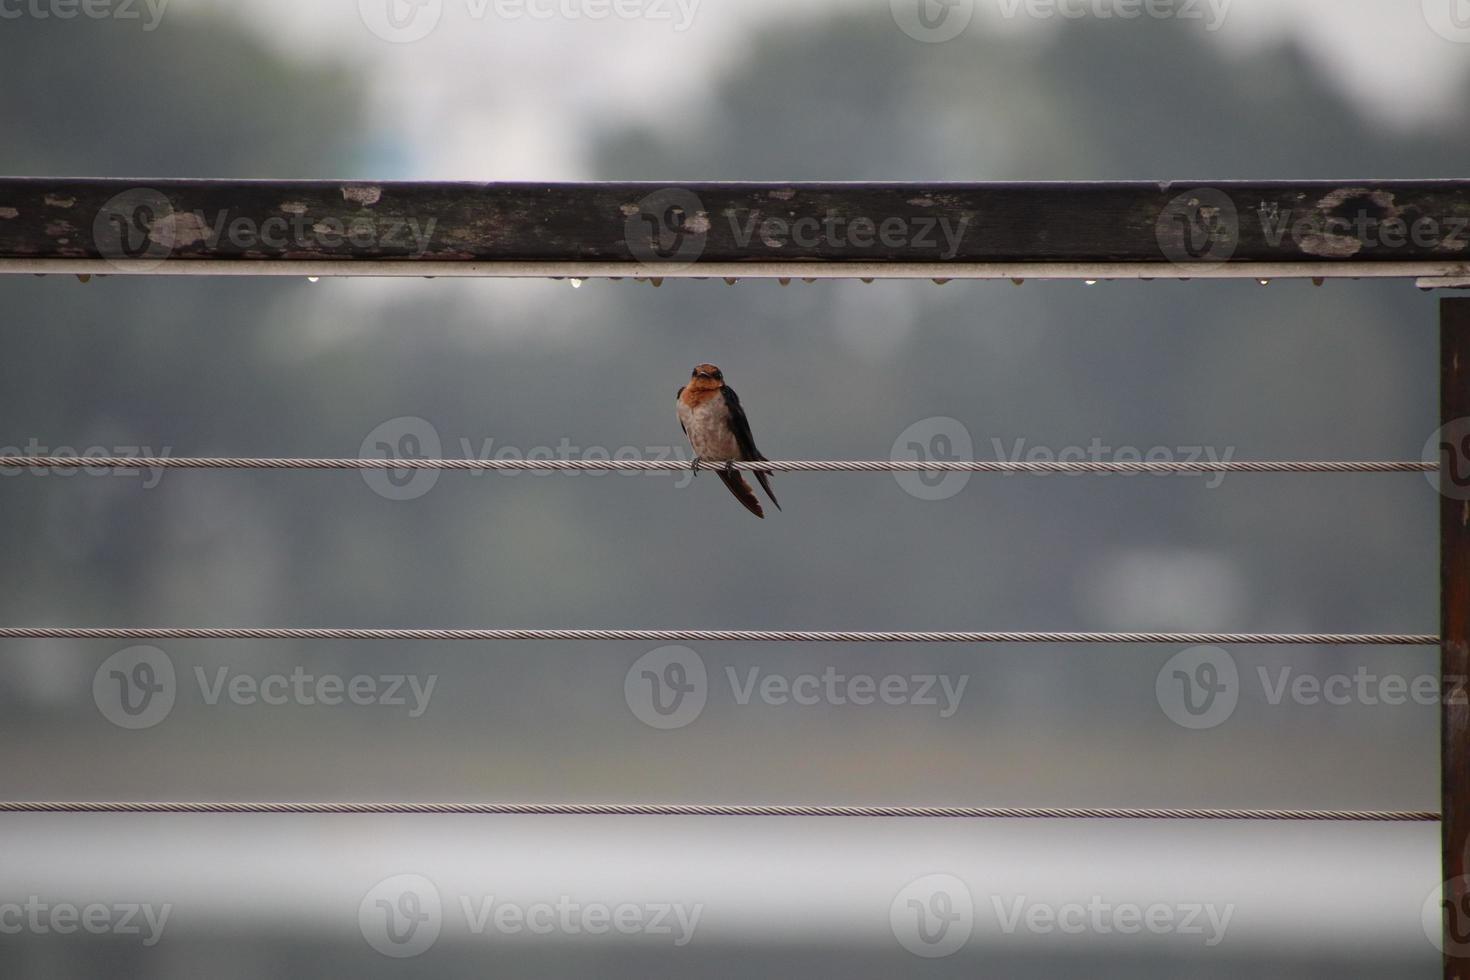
(1052,230)
(1454,611)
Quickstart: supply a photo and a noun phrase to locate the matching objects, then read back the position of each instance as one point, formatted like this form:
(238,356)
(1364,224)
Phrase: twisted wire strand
(676,465)
(680,635)
(715,810)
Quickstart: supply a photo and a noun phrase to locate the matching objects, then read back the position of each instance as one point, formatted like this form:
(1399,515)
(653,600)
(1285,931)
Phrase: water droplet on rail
(1089,282)
(576,283)
(313,278)
(1264,282)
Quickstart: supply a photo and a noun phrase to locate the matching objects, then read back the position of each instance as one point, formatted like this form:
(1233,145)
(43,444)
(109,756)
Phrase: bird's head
(706,376)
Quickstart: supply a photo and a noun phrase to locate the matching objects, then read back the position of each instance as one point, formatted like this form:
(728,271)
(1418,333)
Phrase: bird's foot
(696,464)
(729,466)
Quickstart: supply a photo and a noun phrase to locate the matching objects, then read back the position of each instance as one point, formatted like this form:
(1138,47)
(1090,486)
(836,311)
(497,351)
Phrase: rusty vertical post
(1454,623)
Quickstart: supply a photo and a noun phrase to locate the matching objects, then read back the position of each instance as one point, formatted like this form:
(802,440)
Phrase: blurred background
(833,90)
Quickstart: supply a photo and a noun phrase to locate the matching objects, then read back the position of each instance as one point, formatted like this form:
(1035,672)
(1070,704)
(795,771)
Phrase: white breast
(708,425)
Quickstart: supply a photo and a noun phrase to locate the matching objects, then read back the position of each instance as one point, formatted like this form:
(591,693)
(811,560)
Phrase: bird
(709,412)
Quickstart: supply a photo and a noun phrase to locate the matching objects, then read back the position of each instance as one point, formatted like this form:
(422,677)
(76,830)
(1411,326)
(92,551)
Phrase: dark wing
(742,491)
(740,425)
(677,395)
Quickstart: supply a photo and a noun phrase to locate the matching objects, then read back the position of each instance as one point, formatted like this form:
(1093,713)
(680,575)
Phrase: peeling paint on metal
(293,207)
(177,229)
(8,213)
(365,195)
(1325,244)
(60,202)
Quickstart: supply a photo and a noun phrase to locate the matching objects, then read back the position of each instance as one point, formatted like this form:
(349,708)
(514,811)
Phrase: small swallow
(711,416)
